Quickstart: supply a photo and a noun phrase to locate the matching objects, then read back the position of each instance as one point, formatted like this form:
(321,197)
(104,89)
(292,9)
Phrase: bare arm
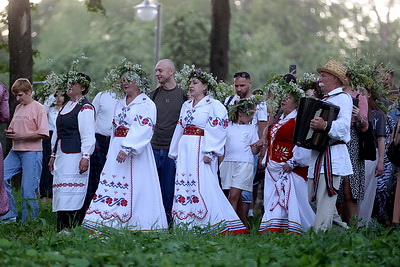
(26,137)
(381,153)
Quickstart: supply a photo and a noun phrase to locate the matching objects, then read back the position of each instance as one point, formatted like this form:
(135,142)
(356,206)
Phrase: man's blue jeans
(166,174)
(30,163)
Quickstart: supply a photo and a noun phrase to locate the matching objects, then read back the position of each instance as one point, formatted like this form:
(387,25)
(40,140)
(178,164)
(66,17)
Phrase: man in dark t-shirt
(168,98)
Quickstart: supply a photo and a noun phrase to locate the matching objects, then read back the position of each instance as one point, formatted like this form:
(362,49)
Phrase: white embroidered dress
(286,194)
(69,187)
(198,199)
(129,194)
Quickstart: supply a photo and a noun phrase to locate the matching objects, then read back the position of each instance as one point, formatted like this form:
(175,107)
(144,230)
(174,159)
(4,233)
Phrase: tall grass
(37,243)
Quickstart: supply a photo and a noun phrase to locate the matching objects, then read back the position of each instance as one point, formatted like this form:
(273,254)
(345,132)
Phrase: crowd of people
(177,157)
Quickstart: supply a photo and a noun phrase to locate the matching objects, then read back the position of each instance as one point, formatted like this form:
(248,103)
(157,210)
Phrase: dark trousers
(46,178)
(97,161)
(70,219)
(166,174)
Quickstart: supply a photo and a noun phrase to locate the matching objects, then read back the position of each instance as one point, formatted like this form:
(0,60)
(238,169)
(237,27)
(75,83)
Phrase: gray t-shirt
(168,103)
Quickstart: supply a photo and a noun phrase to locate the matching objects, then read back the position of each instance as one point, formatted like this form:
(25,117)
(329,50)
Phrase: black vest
(68,131)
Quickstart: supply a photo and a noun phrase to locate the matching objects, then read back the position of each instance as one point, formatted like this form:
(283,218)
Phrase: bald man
(168,98)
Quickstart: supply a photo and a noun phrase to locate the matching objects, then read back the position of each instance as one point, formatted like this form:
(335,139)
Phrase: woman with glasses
(285,188)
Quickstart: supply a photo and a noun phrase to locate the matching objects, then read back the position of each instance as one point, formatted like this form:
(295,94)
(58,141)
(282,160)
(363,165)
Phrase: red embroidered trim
(68,185)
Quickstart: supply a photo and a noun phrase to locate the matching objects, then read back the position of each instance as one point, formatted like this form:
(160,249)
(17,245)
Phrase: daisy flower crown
(246,106)
(310,81)
(368,75)
(278,88)
(187,72)
(61,82)
(129,71)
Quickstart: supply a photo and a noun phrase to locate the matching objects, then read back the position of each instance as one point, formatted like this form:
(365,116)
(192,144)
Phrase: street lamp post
(147,11)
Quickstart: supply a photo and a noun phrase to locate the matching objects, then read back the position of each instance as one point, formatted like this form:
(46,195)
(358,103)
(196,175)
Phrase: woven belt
(338,143)
(193,130)
(121,131)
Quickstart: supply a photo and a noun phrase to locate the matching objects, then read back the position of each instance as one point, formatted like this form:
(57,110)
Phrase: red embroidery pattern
(144,121)
(110,201)
(86,106)
(282,153)
(68,185)
(188,201)
(218,122)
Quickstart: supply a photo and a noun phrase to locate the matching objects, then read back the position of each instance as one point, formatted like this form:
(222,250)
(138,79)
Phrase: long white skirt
(199,200)
(285,202)
(129,194)
(69,187)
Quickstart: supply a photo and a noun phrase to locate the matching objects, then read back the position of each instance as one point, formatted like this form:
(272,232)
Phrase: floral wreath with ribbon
(131,72)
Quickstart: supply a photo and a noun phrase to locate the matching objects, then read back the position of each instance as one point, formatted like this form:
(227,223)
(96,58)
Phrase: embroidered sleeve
(143,116)
(173,149)
(86,124)
(216,129)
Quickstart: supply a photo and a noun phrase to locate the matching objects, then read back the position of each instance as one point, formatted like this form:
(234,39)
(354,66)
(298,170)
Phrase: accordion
(310,108)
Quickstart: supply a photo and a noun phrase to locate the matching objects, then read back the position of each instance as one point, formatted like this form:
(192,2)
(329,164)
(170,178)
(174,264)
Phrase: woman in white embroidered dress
(129,194)
(198,140)
(285,190)
(73,142)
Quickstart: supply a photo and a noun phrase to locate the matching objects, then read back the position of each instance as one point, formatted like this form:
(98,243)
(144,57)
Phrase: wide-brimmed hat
(335,68)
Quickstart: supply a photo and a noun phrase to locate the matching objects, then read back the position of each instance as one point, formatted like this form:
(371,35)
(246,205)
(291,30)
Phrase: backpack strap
(229,101)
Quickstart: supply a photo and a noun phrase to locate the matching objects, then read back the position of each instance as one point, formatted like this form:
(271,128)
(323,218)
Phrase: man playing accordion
(327,166)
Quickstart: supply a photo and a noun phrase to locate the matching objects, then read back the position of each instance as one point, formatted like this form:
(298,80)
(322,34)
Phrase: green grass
(37,244)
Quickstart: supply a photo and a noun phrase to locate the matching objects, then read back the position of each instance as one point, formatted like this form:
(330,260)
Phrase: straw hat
(335,68)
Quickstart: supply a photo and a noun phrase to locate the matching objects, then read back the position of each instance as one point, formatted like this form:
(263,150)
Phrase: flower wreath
(310,81)
(247,106)
(61,82)
(131,72)
(367,75)
(278,88)
(187,72)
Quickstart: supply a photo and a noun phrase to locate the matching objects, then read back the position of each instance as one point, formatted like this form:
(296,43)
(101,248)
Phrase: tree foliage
(265,36)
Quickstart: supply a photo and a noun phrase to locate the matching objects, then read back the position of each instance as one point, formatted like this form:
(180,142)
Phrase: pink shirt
(31,118)
(363,106)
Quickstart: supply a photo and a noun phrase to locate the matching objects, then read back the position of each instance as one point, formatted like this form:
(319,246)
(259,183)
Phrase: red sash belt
(121,131)
(326,156)
(193,130)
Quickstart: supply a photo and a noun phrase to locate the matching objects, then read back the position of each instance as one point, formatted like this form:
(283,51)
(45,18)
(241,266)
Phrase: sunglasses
(242,74)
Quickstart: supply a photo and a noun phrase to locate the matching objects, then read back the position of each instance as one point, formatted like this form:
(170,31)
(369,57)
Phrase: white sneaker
(9,220)
(63,232)
(250,213)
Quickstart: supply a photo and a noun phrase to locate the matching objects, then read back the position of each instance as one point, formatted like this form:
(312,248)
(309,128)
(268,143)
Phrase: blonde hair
(21,85)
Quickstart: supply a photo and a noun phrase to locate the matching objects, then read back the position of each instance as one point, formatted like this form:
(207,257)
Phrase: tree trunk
(219,39)
(19,42)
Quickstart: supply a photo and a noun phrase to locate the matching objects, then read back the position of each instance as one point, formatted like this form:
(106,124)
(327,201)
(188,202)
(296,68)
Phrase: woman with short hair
(26,130)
